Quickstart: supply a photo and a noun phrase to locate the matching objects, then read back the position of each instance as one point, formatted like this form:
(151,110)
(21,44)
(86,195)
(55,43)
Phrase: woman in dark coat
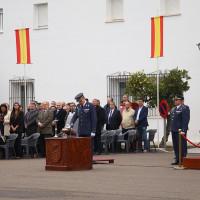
(16,126)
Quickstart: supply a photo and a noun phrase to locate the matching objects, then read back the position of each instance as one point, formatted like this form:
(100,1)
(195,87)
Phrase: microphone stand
(56,134)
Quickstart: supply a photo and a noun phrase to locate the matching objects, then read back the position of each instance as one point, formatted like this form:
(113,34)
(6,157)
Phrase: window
(1,19)
(17,91)
(115,10)
(170,7)
(41,16)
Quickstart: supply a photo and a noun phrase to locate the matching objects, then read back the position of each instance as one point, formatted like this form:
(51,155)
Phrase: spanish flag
(156,37)
(23,46)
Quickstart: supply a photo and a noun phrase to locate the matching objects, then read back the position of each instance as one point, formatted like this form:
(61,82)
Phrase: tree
(144,86)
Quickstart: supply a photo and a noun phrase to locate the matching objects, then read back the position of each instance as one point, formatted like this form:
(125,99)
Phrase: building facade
(76,44)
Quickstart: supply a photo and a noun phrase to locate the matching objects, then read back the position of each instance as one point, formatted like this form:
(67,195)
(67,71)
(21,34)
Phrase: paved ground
(133,176)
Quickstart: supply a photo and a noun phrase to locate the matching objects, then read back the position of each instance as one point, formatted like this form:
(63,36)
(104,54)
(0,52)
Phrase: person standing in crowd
(59,114)
(180,117)
(17,126)
(69,117)
(39,106)
(6,119)
(53,108)
(107,106)
(100,121)
(86,113)
(125,99)
(44,121)
(99,104)
(67,109)
(30,120)
(63,103)
(1,122)
(72,106)
(53,103)
(140,118)
(70,113)
(113,117)
(21,108)
(127,116)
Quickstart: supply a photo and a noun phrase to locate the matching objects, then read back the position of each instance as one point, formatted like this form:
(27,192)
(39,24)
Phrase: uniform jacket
(100,119)
(180,118)
(46,120)
(87,119)
(19,120)
(115,119)
(142,121)
(30,121)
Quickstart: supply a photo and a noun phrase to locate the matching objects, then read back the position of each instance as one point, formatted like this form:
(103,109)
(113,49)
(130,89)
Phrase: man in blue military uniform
(180,117)
(86,112)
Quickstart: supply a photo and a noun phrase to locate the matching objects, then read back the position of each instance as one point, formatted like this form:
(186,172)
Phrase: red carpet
(191,163)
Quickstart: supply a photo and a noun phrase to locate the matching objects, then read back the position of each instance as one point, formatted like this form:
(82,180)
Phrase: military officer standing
(86,113)
(180,117)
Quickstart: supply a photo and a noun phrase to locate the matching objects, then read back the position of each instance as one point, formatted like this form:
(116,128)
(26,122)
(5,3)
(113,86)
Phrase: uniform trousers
(175,140)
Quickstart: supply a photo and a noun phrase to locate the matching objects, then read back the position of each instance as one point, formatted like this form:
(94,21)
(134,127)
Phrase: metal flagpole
(24,88)
(158,100)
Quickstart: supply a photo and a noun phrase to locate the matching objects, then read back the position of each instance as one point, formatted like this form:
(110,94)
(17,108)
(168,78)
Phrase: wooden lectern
(68,154)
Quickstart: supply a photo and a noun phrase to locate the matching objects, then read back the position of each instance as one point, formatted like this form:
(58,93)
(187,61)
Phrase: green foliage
(143,86)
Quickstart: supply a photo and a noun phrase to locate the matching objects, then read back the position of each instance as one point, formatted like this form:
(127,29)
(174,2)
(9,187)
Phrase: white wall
(78,50)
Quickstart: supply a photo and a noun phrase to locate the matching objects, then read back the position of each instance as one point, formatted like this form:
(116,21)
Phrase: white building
(76,44)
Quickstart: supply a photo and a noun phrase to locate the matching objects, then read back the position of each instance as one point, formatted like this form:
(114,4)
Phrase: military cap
(178,97)
(79,96)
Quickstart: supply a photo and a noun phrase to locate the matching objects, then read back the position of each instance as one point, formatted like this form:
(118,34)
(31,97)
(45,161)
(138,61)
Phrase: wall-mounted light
(198,46)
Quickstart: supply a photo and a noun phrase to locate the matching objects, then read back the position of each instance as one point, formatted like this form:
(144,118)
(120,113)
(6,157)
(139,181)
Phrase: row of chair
(26,143)
(116,138)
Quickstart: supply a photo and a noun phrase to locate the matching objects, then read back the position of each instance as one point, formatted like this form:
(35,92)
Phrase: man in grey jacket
(30,120)
(44,121)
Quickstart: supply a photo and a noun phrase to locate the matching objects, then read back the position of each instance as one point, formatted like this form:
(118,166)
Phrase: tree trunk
(167,132)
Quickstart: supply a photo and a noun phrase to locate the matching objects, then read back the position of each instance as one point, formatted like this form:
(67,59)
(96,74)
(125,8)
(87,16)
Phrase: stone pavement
(141,176)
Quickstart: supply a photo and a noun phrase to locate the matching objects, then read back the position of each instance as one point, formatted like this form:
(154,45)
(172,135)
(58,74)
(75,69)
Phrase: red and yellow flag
(23,46)
(156,37)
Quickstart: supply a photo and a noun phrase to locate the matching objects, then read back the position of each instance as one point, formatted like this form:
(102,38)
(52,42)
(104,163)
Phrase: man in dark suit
(113,117)
(180,117)
(100,122)
(125,99)
(140,118)
(30,120)
(86,113)
(44,121)
(59,114)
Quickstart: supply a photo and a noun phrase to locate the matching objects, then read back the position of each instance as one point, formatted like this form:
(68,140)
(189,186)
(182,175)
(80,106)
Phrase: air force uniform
(180,117)
(87,119)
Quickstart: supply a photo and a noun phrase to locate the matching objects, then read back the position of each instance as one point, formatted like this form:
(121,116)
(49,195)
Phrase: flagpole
(24,88)
(158,100)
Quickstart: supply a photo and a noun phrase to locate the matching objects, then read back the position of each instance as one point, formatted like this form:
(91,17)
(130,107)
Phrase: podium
(68,154)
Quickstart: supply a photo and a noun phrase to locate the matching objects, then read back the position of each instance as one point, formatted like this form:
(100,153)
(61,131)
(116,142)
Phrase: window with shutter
(170,7)
(41,16)
(115,10)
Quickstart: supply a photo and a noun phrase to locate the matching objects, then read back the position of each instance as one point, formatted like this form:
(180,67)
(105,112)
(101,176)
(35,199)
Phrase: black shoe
(174,163)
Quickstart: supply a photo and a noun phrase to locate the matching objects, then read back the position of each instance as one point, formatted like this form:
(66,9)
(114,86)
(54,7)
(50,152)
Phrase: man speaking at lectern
(86,113)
